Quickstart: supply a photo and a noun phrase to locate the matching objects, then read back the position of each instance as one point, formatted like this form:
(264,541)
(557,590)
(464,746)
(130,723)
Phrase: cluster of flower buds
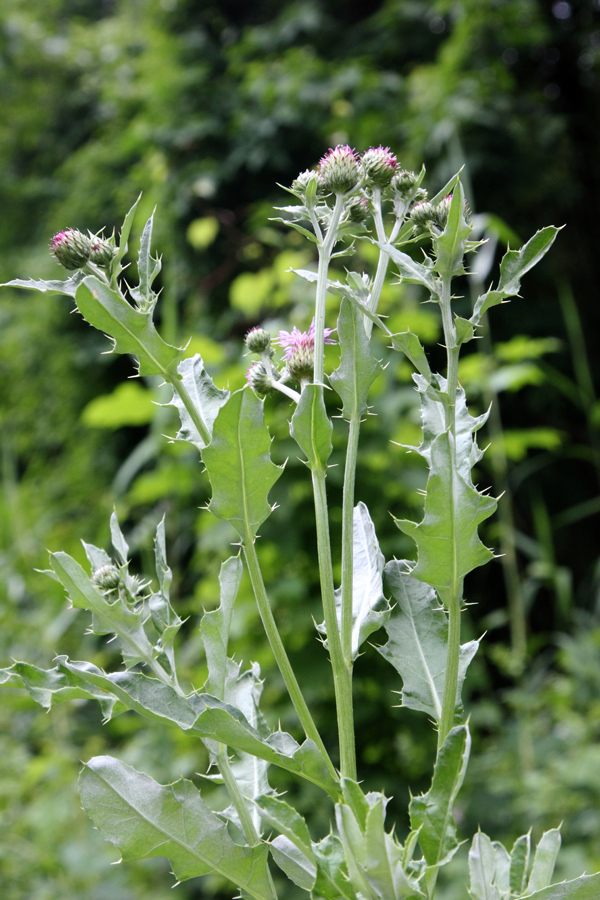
(299,357)
(300,351)
(73,249)
(426,216)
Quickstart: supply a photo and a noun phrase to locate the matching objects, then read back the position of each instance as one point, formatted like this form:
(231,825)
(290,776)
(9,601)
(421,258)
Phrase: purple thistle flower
(297,341)
(339,169)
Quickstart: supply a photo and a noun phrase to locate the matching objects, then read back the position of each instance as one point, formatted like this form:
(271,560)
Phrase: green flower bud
(301,183)
(403,182)
(258,341)
(339,170)
(106,577)
(102,252)
(260,378)
(357,209)
(71,248)
(378,165)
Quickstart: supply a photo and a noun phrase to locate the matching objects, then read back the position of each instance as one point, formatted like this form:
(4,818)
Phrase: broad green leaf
(482,869)
(411,271)
(207,717)
(311,427)
(146,819)
(418,642)
(515,263)
(206,397)
(450,245)
(49,687)
(519,864)
(370,609)
(293,862)
(432,812)
(332,881)
(409,344)
(544,860)
(287,821)
(587,887)
(215,626)
(239,465)
(447,541)
(131,330)
(68,287)
(358,369)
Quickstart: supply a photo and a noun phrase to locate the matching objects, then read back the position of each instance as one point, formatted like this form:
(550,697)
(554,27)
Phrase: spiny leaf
(131,329)
(206,397)
(450,245)
(358,369)
(332,881)
(409,344)
(544,860)
(239,465)
(432,812)
(483,869)
(519,864)
(68,287)
(49,687)
(311,427)
(287,821)
(587,887)
(123,240)
(215,626)
(411,271)
(293,862)
(146,819)
(164,618)
(148,269)
(418,642)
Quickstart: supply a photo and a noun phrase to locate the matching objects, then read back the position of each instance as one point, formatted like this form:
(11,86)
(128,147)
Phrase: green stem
(456,588)
(248,827)
(280,654)
(342,668)
(348,538)
(325,250)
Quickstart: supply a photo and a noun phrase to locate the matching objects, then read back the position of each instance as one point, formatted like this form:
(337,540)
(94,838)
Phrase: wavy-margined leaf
(207,717)
(432,812)
(69,286)
(409,344)
(358,369)
(587,887)
(108,617)
(448,544)
(417,644)
(370,609)
(311,427)
(131,330)
(515,264)
(148,269)
(49,687)
(293,862)
(206,397)
(450,245)
(332,882)
(239,464)
(146,819)
(410,270)
(292,850)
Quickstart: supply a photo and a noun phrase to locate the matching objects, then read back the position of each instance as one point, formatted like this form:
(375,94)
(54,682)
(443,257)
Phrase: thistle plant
(419,603)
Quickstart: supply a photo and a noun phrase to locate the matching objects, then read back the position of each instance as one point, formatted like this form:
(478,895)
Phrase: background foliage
(205,107)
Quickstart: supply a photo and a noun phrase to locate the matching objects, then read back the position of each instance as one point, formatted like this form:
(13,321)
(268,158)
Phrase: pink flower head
(297,341)
(379,165)
(339,169)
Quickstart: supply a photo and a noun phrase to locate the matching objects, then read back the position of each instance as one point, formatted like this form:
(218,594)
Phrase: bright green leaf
(311,427)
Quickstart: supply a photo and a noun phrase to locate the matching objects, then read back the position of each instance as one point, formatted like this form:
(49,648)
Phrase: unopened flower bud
(260,378)
(258,341)
(378,165)
(304,179)
(423,214)
(403,182)
(106,577)
(339,170)
(102,252)
(71,248)
(357,209)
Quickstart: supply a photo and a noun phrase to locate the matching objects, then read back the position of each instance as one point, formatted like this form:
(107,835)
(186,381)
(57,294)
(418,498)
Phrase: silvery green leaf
(587,887)
(239,465)
(332,881)
(132,330)
(164,618)
(96,556)
(206,397)
(410,270)
(145,819)
(68,287)
(215,625)
(117,268)
(358,369)
(482,869)
(432,812)
(311,427)
(544,860)
(287,821)
(519,864)
(296,865)
(417,644)
(409,344)
(148,269)
(118,540)
(370,609)
(49,687)
(450,245)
